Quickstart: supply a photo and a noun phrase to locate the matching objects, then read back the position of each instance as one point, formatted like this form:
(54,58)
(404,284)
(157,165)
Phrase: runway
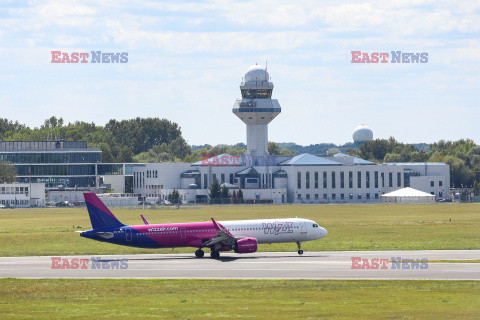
(262,265)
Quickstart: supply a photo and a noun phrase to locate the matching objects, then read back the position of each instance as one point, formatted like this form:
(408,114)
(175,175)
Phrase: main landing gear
(300,251)
(214,255)
(199,253)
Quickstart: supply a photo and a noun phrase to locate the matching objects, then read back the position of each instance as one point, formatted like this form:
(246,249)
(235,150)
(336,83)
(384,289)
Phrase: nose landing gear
(300,251)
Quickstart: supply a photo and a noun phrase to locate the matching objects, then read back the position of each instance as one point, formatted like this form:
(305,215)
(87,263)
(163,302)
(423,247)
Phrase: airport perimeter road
(271,265)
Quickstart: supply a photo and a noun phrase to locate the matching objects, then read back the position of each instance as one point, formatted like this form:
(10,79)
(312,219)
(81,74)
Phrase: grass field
(350,227)
(229,299)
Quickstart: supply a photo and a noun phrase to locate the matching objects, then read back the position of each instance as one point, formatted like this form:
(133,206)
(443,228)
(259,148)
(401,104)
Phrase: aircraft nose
(323,232)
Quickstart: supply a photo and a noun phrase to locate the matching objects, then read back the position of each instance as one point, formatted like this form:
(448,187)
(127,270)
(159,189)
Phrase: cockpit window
(315,225)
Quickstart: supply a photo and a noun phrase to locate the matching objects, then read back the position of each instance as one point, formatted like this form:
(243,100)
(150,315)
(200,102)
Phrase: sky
(186,61)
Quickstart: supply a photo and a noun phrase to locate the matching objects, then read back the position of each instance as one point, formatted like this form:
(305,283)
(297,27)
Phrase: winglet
(215,224)
(144,219)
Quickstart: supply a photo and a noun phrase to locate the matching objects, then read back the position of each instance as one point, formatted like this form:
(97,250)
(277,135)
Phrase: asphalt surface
(263,265)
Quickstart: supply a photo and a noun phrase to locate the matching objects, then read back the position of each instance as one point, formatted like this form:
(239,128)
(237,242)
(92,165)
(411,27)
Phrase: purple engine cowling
(246,245)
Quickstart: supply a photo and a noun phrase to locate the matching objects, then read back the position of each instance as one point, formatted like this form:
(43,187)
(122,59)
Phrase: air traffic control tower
(257,109)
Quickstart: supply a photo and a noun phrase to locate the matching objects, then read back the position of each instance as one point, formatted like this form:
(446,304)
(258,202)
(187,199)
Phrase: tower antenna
(266,67)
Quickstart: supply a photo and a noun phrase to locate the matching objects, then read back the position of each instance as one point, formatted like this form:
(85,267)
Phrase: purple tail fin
(100,216)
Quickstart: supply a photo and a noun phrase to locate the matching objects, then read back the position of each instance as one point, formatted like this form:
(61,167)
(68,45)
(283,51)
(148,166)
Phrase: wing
(223,236)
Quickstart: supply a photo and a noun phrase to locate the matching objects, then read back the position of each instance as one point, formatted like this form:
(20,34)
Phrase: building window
(334,196)
(316,179)
(342,180)
(432,184)
(333,180)
(231,178)
(342,196)
(307,181)
(390,179)
(350,196)
(222,177)
(308,196)
(299,196)
(316,196)
(375,174)
(440,183)
(368,196)
(367,179)
(299,180)
(359,197)
(350,179)
(376,196)
(205,181)
(399,179)
(383,180)
(440,194)
(324,196)
(252,180)
(324,180)
(215,176)
(359,179)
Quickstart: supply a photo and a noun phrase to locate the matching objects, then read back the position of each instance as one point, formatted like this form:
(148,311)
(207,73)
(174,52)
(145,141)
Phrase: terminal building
(66,165)
(304,178)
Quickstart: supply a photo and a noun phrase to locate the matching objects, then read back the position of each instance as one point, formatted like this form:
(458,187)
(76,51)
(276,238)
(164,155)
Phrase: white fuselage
(276,230)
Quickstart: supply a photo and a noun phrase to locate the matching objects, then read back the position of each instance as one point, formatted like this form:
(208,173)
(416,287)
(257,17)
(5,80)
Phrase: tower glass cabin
(256,109)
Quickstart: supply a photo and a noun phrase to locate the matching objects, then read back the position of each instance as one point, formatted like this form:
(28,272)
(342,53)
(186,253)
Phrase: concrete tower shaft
(256,109)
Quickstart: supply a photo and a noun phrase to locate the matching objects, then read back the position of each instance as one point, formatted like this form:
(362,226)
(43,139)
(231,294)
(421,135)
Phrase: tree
(8,173)
(174,197)
(273,148)
(476,188)
(461,176)
(125,155)
(287,152)
(8,125)
(234,196)
(107,156)
(179,148)
(240,196)
(215,192)
(141,134)
(225,194)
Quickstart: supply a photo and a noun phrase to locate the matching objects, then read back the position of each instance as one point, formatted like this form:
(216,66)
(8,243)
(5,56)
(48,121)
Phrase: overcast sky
(186,61)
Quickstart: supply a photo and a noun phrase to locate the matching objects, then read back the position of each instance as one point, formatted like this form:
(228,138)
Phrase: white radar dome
(362,133)
(256,73)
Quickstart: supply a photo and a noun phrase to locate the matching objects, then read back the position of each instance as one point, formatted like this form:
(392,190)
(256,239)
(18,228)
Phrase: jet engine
(246,245)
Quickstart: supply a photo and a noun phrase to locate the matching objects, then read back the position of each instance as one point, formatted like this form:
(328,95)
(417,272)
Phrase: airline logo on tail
(100,216)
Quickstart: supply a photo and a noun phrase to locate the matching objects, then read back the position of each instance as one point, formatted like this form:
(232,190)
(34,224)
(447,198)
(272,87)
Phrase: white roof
(408,192)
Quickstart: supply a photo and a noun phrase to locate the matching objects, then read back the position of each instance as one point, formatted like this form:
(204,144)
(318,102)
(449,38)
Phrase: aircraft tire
(300,251)
(215,254)
(199,253)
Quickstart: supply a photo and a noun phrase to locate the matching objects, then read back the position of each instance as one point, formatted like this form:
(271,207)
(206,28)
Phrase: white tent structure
(407,195)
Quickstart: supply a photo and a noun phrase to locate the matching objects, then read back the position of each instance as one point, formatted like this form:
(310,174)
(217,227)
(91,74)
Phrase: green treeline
(463,156)
(160,140)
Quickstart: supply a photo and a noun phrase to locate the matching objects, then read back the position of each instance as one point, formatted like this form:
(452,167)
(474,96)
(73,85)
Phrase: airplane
(241,236)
